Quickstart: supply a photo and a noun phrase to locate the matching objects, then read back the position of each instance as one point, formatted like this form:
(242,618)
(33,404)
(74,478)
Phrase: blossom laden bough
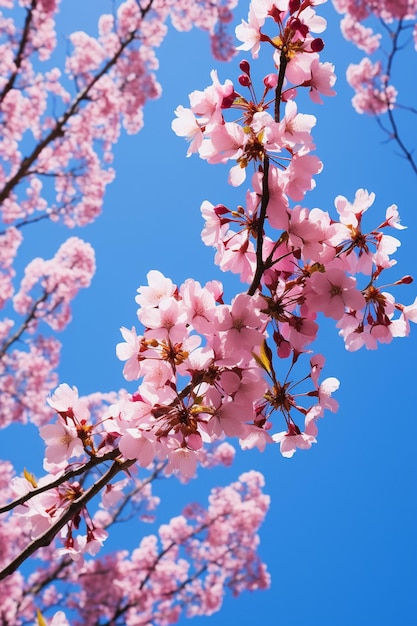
(207,370)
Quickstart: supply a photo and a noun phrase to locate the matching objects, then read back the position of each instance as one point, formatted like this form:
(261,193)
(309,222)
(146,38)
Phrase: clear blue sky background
(340,537)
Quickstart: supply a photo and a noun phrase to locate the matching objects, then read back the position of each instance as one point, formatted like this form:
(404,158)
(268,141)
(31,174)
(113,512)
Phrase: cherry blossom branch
(59,129)
(260,267)
(52,576)
(395,135)
(20,52)
(371,81)
(115,517)
(30,317)
(151,569)
(123,609)
(75,507)
(50,213)
(283,62)
(62,209)
(115,514)
(32,220)
(93,462)
(394,132)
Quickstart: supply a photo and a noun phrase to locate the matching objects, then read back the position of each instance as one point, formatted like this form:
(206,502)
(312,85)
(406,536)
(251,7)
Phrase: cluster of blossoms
(185,567)
(209,370)
(313,264)
(58,131)
(73,130)
(371,80)
(45,294)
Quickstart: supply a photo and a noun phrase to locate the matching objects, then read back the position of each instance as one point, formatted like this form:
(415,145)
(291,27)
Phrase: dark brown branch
(394,132)
(31,316)
(93,462)
(283,62)
(260,265)
(260,268)
(20,52)
(58,130)
(66,560)
(75,507)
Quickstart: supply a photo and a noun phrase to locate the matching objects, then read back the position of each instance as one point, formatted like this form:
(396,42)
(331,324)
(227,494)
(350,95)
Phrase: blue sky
(340,537)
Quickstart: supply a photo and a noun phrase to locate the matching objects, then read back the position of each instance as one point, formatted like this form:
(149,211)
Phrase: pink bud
(244,80)
(271,81)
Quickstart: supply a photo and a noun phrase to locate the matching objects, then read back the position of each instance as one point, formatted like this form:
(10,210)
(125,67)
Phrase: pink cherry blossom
(331,292)
(158,289)
(249,32)
(62,442)
(322,80)
(241,322)
(186,126)
(206,362)
(208,104)
(292,439)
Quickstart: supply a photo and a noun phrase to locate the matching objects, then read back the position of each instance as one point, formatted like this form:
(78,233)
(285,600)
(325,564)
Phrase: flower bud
(271,81)
(405,280)
(244,80)
(245,67)
(317,45)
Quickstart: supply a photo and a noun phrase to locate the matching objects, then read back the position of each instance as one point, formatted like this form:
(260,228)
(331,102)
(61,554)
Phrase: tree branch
(31,316)
(260,230)
(58,130)
(20,52)
(75,507)
(394,133)
(94,462)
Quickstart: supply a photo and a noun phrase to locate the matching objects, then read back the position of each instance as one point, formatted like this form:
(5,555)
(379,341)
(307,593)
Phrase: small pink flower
(62,442)
(292,439)
(393,218)
(65,400)
(128,351)
(134,444)
(331,292)
(186,125)
(157,289)
(249,33)
(183,461)
(322,80)
(326,388)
